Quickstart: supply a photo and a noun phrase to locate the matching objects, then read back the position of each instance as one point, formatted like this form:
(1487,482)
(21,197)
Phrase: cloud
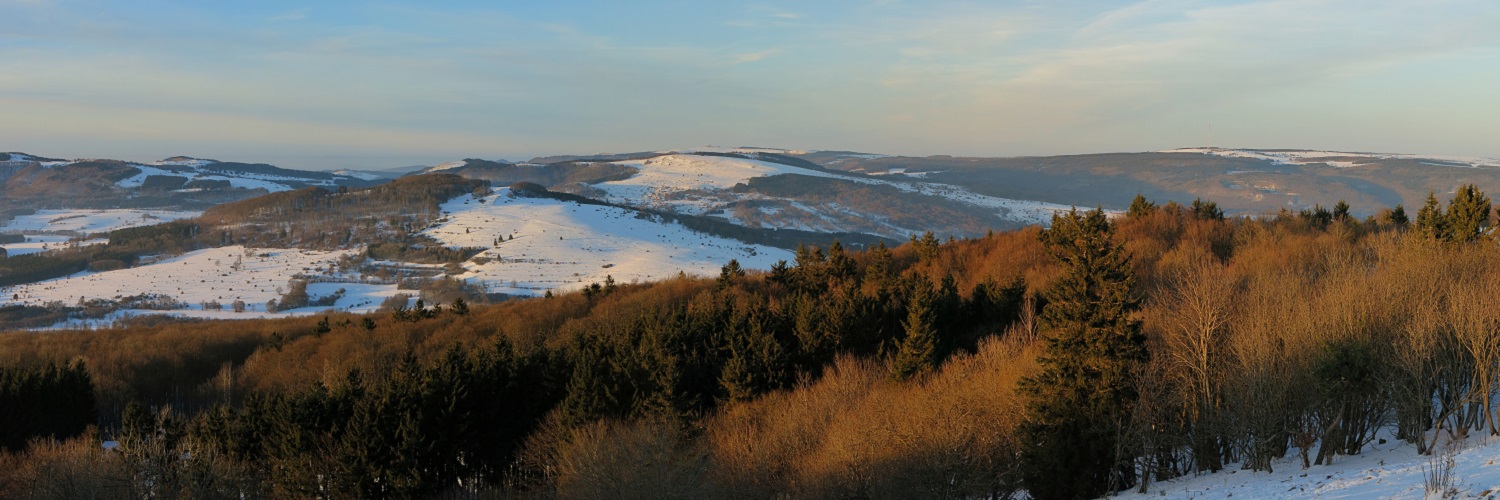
(295,15)
(754,56)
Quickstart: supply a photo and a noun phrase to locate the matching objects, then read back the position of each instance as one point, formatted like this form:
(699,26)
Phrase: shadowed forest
(1100,354)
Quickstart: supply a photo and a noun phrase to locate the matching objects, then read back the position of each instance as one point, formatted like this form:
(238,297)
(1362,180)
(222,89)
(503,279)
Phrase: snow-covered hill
(82,222)
(532,245)
(701,185)
(50,229)
(1339,159)
(239,176)
(560,245)
(223,275)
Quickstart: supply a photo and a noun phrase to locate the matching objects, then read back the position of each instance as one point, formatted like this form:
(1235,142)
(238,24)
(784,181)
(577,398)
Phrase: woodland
(1100,354)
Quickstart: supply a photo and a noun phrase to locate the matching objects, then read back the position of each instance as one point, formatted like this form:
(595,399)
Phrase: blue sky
(352,84)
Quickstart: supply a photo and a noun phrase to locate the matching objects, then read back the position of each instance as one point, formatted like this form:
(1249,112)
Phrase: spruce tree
(918,352)
(1204,209)
(1341,210)
(1397,217)
(1082,397)
(1140,207)
(1468,214)
(1430,219)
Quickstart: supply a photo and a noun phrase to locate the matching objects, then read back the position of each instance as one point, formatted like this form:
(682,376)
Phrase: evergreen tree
(1397,217)
(1468,214)
(729,273)
(1204,209)
(878,271)
(1430,219)
(1081,398)
(1341,210)
(1140,207)
(840,264)
(918,353)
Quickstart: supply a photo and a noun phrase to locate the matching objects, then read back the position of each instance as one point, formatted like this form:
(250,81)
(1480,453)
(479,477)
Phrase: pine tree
(1140,207)
(1430,219)
(1468,214)
(1081,398)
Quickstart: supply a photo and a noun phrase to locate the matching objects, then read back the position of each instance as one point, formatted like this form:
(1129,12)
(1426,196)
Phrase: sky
(337,84)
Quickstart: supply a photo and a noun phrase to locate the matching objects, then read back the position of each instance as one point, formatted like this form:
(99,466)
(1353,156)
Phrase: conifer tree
(1140,207)
(1468,214)
(918,352)
(1204,209)
(927,247)
(1341,210)
(1430,219)
(729,273)
(1081,398)
(1397,217)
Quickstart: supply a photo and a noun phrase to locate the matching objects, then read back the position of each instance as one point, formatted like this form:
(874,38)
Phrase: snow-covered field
(1332,158)
(90,221)
(1391,470)
(222,275)
(556,245)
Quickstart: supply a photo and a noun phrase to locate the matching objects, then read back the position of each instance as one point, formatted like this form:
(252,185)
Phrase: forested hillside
(1096,355)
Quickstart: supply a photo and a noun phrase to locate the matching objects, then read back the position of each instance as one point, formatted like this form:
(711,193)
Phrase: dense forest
(1099,354)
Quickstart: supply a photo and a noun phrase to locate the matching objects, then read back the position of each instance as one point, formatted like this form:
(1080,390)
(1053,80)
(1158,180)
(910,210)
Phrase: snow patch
(1392,470)
(448,166)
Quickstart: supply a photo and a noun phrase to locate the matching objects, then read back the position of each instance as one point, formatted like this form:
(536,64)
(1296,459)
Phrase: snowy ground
(90,221)
(1391,470)
(565,246)
(1333,158)
(36,243)
(209,275)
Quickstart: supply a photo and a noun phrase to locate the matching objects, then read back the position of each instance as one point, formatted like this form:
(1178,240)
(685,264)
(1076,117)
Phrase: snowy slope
(208,275)
(688,183)
(737,150)
(699,185)
(1337,158)
(564,246)
(91,221)
(1391,470)
(240,180)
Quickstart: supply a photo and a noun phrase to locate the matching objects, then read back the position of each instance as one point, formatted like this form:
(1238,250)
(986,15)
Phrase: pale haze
(344,84)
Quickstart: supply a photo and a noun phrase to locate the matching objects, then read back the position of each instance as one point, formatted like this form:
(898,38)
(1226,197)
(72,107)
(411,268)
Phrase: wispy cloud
(295,15)
(754,56)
